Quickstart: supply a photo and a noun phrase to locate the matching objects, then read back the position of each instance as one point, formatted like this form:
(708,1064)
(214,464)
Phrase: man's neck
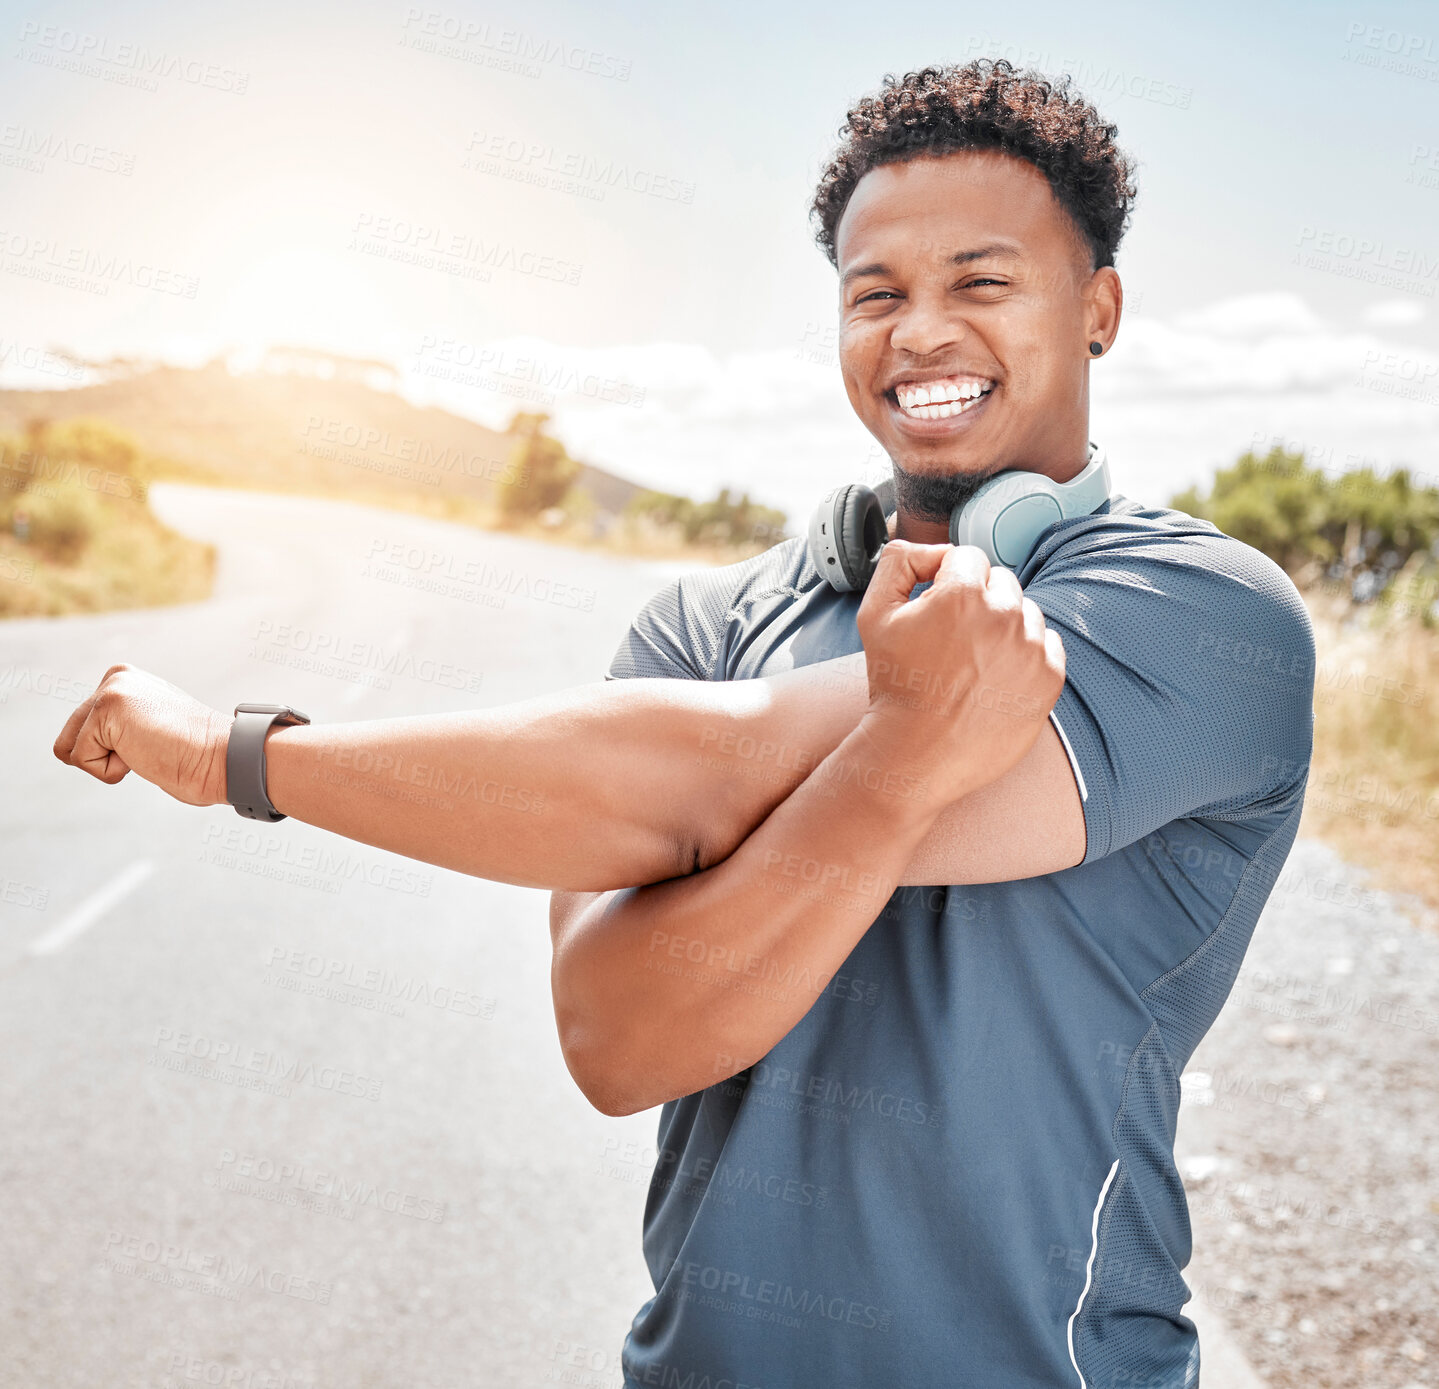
(931,530)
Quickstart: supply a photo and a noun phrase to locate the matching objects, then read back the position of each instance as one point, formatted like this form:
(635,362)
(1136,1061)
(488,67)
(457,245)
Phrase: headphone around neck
(1005,518)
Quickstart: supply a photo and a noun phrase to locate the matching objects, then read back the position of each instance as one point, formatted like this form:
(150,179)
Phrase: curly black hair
(987,104)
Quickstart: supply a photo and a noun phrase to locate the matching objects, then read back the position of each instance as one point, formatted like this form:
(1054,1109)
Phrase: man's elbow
(604,1079)
(598,1054)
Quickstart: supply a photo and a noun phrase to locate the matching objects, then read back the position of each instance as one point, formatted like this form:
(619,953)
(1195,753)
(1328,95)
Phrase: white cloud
(1172,402)
(1252,316)
(1394,313)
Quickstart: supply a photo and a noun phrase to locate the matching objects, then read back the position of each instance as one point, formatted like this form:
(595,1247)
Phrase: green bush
(721,521)
(1358,528)
(64,516)
(541,472)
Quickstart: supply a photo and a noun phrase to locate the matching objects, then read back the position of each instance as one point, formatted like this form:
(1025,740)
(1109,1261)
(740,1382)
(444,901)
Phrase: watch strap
(245,757)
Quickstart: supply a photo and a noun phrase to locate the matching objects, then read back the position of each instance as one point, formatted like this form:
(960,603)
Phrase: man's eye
(984,281)
(873,294)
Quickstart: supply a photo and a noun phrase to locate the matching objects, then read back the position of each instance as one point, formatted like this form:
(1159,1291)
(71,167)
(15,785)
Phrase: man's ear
(1104,297)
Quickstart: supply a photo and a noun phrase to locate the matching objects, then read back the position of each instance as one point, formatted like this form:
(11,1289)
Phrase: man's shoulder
(782,569)
(725,593)
(682,629)
(1134,553)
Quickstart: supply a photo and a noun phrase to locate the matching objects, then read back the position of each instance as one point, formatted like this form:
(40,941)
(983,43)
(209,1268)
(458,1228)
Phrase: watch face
(276,710)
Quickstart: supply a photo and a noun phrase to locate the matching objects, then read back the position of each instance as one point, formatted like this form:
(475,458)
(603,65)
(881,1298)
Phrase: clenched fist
(961,678)
(137,722)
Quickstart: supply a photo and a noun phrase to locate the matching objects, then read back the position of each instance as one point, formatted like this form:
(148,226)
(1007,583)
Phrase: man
(912,1134)
(957,1168)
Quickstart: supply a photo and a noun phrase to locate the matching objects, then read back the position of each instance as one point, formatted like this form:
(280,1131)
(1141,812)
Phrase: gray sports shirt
(957,1169)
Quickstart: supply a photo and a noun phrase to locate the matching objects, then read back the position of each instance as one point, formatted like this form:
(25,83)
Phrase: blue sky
(335,175)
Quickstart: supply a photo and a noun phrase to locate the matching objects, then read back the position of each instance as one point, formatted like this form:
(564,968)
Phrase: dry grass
(1374,784)
(92,551)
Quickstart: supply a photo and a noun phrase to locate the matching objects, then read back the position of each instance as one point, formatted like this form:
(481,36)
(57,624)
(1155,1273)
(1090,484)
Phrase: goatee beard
(933,497)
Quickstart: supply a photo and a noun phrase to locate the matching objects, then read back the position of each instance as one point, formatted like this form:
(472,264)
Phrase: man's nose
(926,325)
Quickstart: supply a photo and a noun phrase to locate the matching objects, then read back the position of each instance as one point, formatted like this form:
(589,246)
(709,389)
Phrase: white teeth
(939,400)
(915,398)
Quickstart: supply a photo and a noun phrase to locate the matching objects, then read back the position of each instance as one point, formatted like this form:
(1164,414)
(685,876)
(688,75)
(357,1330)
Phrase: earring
(1096,348)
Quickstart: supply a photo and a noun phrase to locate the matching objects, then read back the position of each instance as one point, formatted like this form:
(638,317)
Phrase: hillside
(294,430)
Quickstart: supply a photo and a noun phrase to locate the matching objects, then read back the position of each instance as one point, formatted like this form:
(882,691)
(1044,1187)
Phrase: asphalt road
(212,1175)
(281,1110)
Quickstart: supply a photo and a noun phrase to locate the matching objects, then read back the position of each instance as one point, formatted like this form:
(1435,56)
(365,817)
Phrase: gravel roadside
(1309,1139)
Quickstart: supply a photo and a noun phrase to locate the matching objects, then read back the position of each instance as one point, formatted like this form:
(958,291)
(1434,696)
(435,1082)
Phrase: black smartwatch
(245,757)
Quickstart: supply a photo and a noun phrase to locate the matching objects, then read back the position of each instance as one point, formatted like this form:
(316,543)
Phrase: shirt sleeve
(1189,679)
(679,632)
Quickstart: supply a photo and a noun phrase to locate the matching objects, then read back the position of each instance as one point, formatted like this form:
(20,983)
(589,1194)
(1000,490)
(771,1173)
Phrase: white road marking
(93,908)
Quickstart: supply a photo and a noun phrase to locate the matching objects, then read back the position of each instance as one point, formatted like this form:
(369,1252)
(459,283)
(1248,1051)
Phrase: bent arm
(662,990)
(602,786)
(772,923)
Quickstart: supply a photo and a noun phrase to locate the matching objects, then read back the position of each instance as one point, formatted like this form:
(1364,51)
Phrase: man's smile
(939,405)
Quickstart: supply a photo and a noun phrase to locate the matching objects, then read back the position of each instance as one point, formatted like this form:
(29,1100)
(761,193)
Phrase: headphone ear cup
(846,535)
(862,532)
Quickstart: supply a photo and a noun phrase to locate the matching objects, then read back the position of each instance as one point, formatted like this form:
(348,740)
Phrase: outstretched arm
(597,787)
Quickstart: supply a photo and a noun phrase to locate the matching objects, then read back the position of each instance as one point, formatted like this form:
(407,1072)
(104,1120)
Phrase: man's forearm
(602,786)
(662,990)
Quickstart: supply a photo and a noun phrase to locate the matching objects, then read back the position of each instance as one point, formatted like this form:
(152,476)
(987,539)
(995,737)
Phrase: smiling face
(967,307)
